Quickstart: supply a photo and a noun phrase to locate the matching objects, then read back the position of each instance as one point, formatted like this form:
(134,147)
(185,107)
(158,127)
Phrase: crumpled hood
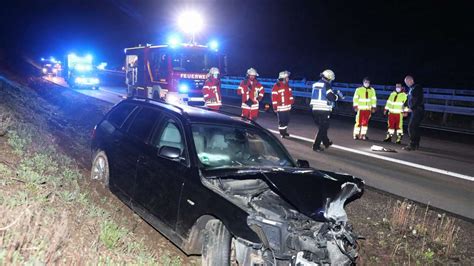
(309,192)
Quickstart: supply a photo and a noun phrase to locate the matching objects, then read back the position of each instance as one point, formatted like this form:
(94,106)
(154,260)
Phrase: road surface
(440,174)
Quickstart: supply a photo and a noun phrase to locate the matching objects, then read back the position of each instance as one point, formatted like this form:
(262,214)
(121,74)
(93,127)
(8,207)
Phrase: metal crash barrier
(447,109)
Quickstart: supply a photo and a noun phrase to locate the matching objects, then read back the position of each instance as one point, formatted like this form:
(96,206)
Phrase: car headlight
(95,80)
(44,70)
(79,80)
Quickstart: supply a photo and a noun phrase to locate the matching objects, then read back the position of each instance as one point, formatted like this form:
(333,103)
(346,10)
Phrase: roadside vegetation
(50,213)
(404,232)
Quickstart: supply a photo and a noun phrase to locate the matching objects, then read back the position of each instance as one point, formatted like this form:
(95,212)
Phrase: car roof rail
(227,113)
(158,101)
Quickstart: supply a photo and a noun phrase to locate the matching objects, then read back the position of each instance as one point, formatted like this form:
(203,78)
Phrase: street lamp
(191,23)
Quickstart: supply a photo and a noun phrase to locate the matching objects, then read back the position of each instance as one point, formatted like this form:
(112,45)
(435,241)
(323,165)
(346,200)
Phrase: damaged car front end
(298,214)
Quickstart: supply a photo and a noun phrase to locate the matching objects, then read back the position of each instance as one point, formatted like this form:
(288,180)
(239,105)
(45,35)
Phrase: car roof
(197,114)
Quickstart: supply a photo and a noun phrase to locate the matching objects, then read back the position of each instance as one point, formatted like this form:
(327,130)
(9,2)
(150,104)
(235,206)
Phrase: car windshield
(222,146)
(194,60)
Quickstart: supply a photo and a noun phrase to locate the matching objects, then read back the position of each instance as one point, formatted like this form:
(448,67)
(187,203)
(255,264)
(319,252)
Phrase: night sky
(432,40)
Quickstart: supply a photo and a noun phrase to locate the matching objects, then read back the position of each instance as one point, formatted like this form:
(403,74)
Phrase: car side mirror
(170,152)
(302,163)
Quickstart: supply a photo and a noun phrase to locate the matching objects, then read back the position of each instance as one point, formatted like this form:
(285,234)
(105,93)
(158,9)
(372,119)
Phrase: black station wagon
(223,187)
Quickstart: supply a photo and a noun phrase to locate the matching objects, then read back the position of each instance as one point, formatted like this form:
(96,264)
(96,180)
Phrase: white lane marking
(414,165)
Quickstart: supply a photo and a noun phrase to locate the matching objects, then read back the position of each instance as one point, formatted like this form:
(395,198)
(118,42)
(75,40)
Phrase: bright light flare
(183,88)
(214,45)
(191,22)
(174,41)
(102,66)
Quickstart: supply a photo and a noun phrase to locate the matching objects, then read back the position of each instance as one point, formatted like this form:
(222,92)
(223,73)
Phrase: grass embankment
(47,214)
(402,232)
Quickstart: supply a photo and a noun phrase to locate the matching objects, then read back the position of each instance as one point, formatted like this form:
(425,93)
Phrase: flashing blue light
(174,41)
(214,45)
(42,59)
(102,66)
(89,57)
(183,88)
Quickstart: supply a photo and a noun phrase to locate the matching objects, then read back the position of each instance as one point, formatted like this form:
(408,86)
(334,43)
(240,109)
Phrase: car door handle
(116,141)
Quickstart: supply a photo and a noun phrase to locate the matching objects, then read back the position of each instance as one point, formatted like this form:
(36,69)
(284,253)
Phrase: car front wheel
(100,168)
(216,245)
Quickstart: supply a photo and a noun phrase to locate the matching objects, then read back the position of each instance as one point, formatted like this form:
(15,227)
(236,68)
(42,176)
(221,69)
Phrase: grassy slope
(50,212)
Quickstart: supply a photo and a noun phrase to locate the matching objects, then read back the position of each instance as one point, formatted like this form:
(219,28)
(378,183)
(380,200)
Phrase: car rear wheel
(216,246)
(100,168)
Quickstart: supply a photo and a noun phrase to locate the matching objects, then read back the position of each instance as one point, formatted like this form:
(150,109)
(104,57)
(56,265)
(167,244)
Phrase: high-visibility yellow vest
(365,98)
(396,103)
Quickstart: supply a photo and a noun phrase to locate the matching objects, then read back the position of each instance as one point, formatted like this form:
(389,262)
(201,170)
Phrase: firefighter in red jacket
(252,93)
(212,90)
(282,99)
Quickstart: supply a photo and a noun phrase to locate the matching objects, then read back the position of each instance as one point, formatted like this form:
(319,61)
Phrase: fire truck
(174,73)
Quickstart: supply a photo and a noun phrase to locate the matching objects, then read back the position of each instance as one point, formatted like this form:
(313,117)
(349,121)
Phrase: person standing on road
(252,93)
(212,90)
(282,99)
(416,103)
(396,109)
(364,103)
(323,100)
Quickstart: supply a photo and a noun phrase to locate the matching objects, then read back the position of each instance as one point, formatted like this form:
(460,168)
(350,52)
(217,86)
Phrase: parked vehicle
(172,72)
(223,187)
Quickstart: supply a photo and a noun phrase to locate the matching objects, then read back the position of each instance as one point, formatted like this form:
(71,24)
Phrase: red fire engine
(175,73)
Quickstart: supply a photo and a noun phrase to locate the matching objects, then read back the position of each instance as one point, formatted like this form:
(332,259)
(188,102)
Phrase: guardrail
(450,101)
(447,109)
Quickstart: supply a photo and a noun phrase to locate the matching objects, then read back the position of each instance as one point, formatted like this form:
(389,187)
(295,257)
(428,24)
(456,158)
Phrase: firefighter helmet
(284,74)
(328,74)
(252,72)
(213,71)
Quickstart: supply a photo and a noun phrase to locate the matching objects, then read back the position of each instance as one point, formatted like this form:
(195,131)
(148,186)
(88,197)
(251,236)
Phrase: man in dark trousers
(416,103)
(323,99)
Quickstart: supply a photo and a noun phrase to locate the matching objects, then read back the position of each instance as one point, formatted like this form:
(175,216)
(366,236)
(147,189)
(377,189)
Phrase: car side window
(120,113)
(142,125)
(169,134)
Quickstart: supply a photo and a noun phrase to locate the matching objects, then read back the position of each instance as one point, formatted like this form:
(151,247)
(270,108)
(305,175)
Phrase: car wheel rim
(99,169)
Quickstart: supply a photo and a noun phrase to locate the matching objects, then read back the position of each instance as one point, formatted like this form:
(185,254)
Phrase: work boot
(388,138)
(356,137)
(317,148)
(399,139)
(363,137)
(410,148)
(327,145)
(282,133)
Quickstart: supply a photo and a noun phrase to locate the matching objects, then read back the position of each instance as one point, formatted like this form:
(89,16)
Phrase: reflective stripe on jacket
(323,98)
(364,98)
(282,97)
(396,103)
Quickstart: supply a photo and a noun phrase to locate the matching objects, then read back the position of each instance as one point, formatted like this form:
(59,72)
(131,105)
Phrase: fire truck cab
(174,73)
